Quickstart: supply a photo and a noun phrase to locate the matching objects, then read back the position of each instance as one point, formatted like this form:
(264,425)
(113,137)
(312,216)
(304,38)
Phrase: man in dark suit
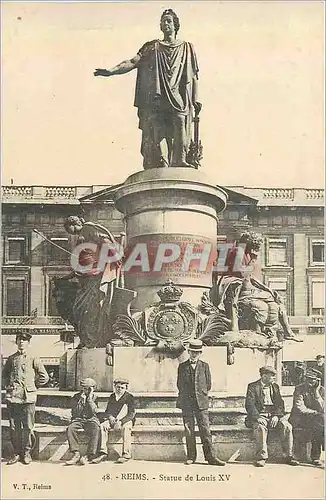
(265,411)
(22,374)
(308,412)
(84,416)
(194,383)
(119,416)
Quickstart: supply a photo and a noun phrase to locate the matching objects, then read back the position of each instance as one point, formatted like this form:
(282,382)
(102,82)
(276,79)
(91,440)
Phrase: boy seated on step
(119,415)
(84,417)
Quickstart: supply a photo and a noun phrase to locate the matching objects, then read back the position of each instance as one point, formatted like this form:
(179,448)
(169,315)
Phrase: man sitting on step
(119,415)
(84,417)
(265,409)
(307,415)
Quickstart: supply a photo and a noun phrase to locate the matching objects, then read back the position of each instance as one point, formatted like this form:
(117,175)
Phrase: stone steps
(144,416)
(165,442)
(54,398)
(158,433)
(61,399)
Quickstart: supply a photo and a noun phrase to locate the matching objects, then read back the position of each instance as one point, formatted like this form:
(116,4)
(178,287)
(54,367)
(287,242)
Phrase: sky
(261,85)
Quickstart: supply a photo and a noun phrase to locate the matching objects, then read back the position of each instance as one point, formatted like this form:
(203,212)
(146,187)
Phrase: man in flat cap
(265,411)
(119,415)
(308,412)
(194,383)
(84,416)
(22,374)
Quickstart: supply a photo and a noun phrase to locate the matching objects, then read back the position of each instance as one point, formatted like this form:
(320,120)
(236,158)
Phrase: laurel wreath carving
(126,327)
(213,327)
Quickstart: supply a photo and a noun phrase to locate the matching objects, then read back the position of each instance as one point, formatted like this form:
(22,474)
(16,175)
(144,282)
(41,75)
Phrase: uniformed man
(22,374)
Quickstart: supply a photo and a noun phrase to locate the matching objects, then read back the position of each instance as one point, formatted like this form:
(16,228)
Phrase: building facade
(291,222)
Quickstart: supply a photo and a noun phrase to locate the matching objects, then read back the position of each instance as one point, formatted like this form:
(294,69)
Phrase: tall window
(318,297)
(15,250)
(276,252)
(317,252)
(57,256)
(15,295)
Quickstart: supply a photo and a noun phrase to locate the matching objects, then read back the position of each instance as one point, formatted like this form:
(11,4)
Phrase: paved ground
(138,479)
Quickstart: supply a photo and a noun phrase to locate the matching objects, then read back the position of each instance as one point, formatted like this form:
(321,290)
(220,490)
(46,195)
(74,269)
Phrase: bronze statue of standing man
(166,95)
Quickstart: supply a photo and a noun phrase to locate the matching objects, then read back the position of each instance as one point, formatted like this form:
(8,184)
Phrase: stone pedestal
(77,364)
(151,372)
(177,206)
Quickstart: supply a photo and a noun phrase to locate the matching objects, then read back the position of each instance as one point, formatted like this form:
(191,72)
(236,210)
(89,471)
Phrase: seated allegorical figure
(84,298)
(249,303)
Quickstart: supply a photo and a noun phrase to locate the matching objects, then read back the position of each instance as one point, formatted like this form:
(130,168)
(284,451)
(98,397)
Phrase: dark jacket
(114,407)
(83,410)
(22,374)
(305,404)
(255,402)
(193,387)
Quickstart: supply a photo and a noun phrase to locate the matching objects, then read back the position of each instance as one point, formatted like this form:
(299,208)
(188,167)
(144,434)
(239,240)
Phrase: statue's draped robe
(164,88)
(91,308)
(251,295)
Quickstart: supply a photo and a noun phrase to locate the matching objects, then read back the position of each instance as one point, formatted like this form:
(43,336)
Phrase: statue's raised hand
(101,72)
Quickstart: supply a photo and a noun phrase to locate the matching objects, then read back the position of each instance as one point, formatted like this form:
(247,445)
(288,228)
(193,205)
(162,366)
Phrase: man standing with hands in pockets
(194,383)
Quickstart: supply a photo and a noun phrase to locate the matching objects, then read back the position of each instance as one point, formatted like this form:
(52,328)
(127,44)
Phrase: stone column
(177,206)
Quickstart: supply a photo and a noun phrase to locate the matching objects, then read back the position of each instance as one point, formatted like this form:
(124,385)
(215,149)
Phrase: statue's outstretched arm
(120,69)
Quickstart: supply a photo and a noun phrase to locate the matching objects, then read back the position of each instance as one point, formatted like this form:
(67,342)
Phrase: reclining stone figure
(244,300)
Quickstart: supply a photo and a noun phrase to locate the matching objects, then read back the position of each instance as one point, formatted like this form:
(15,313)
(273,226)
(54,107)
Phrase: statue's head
(253,242)
(74,224)
(169,21)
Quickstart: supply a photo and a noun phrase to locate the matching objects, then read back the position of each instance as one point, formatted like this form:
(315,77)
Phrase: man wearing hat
(22,374)
(119,415)
(265,411)
(84,416)
(194,383)
(308,412)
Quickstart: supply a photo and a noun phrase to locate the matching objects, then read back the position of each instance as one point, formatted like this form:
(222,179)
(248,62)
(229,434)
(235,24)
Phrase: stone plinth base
(77,364)
(149,371)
